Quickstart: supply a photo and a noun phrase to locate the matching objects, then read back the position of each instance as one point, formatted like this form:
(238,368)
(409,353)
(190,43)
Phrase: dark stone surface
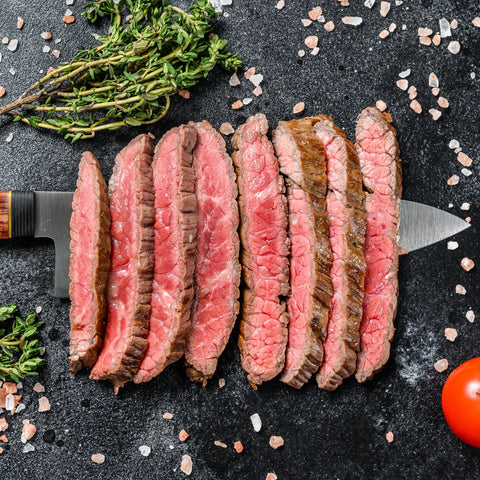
(337,435)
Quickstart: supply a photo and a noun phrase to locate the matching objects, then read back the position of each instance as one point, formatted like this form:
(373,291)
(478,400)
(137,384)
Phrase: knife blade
(47,215)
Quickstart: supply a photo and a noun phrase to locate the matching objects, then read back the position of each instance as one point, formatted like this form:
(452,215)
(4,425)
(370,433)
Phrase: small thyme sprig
(19,350)
(148,55)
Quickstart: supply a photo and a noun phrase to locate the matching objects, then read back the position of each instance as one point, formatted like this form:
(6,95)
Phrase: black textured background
(339,435)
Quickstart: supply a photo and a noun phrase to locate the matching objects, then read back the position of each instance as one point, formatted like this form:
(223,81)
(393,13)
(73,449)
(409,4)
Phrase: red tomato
(461,401)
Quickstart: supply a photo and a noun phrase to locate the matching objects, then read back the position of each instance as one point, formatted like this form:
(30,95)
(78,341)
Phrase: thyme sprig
(19,350)
(152,51)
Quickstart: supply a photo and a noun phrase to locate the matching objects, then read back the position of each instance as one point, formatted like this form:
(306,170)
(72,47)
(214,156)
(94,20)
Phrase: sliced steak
(175,238)
(89,264)
(217,274)
(130,279)
(263,214)
(378,152)
(346,211)
(302,161)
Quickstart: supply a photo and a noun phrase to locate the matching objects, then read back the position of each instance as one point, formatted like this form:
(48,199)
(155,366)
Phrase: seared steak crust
(263,233)
(302,161)
(378,152)
(217,276)
(175,240)
(346,209)
(90,248)
(130,279)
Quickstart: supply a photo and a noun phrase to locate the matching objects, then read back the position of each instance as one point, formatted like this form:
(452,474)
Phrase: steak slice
(130,279)
(346,211)
(217,276)
(378,152)
(175,238)
(263,214)
(89,264)
(302,161)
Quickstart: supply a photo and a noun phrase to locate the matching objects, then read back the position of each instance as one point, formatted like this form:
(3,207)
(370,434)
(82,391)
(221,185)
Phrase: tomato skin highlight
(461,402)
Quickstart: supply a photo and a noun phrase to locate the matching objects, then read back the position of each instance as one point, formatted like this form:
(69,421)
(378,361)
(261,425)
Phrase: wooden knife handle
(17,214)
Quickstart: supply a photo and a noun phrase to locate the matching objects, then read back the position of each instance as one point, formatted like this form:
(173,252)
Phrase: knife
(47,215)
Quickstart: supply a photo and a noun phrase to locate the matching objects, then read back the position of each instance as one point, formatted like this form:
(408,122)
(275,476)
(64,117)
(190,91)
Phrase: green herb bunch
(152,51)
(19,350)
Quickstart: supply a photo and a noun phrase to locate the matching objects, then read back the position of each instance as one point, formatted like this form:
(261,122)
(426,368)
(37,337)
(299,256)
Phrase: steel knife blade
(47,215)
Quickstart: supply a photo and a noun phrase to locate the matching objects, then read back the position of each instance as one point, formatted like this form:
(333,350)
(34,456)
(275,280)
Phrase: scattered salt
(384,8)
(46,35)
(98,458)
(280,4)
(465,206)
(329,26)
(45,49)
(464,159)
(247,100)
(476,22)
(415,106)
(187,465)
(306,22)
(234,80)
(441,365)
(315,13)
(9,137)
(271,476)
(436,114)
(381,105)
(256,422)
(28,448)
(402,84)
(470,316)
(405,73)
(451,334)
(461,290)
(443,102)
(38,387)
(276,442)
(217,443)
(168,415)
(433,80)
(301,53)
(369,3)
(12,45)
(257,91)
(256,79)
(311,41)
(425,40)
(226,129)
(467,264)
(20,23)
(389,437)
(43,404)
(453,180)
(453,144)
(444,28)
(451,245)
(424,32)
(299,107)
(354,21)
(145,450)
(9,402)
(315,51)
(454,47)
(466,172)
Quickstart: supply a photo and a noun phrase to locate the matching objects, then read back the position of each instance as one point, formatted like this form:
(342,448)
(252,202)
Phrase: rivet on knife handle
(17,214)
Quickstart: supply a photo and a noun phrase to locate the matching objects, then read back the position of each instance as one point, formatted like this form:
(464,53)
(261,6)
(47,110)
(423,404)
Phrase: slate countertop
(328,435)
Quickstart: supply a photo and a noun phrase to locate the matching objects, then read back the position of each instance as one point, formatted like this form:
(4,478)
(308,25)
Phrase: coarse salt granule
(451,334)
(453,144)
(405,73)
(441,365)
(247,100)
(311,41)
(415,106)
(315,13)
(392,27)
(443,102)
(466,172)
(98,458)
(9,402)
(301,53)
(454,24)
(226,129)
(299,107)
(38,387)
(43,404)
(451,245)
(2,91)
(384,34)
(276,442)
(460,289)
(381,105)
(467,264)
(470,316)
(183,435)
(389,437)
(234,80)
(444,28)
(329,26)
(433,80)
(220,444)
(271,476)
(168,415)
(369,3)
(402,84)
(28,431)
(257,91)
(256,422)
(464,159)
(236,105)
(424,32)
(437,39)
(12,45)
(453,180)
(3,424)
(306,22)
(436,114)
(256,79)
(384,8)
(187,465)
(353,21)
(20,23)
(280,4)
(476,22)
(145,450)
(454,47)
(465,206)
(46,35)
(315,51)
(249,72)
(28,448)
(238,446)
(425,40)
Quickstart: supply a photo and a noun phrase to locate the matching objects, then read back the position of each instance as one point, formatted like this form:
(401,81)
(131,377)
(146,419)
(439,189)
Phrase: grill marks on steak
(302,161)
(217,274)
(175,239)
(263,332)
(378,152)
(346,211)
(130,279)
(89,264)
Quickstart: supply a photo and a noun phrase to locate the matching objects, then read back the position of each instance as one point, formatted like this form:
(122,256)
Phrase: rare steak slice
(175,237)
(263,215)
(217,274)
(378,152)
(302,161)
(130,279)
(346,211)
(89,264)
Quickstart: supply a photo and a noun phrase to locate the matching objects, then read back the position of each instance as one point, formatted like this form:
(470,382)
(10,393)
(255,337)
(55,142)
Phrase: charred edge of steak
(313,182)
(87,358)
(188,232)
(354,261)
(385,119)
(246,259)
(128,362)
(193,369)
